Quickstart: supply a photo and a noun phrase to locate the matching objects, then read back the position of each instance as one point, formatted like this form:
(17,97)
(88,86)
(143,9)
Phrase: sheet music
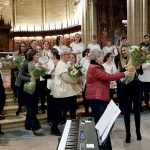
(107,120)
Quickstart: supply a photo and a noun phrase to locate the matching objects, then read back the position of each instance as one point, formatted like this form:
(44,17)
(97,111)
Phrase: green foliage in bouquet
(137,57)
(75,71)
(18,62)
(7,62)
(12,62)
(38,72)
(29,87)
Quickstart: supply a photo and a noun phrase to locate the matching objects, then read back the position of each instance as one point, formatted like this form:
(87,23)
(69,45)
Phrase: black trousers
(51,107)
(14,74)
(131,94)
(42,94)
(98,107)
(31,119)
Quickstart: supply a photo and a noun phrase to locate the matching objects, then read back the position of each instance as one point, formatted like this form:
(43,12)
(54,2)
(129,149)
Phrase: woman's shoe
(27,127)
(139,137)
(38,132)
(56,132)
(128,138)
(18,111)
(2,117)
(1,132)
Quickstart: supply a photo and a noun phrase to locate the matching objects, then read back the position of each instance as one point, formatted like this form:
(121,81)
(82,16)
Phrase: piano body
(79,134)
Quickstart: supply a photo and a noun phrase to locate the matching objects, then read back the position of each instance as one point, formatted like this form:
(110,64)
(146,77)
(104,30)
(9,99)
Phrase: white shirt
(111,68)
(85,69)
(58,48)
(93,46)
(145,77)
(50,67)
(47,53)
(77,48)
(112,49)
(61,89)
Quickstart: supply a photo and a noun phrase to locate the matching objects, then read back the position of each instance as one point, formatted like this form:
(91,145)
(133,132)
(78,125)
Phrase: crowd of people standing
(103,69)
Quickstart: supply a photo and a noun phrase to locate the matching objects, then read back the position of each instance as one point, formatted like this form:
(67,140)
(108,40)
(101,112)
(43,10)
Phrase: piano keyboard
(79,134)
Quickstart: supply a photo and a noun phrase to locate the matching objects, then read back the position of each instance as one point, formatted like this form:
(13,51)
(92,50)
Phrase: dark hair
(30,54)
(55,53)
(123,37)
(32,42)
(107,56)
(123,46)
(87,50)
(75,56)
(80,37)
(70,48)
(20,47)
(40,46)
(146,35)
(57,40)
(94,36)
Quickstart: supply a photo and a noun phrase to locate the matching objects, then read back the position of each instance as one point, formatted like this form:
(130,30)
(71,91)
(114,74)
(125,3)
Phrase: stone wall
(39,12)
(28,12)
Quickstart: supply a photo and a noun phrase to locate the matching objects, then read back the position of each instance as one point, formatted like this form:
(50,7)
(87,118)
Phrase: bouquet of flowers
(7,61)
(36,72)
(12,62)
(18,61)
(29,87)
(75,71)
(137,57)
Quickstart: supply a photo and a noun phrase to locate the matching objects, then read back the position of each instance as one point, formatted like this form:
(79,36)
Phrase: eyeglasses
(67,54)
(23,45)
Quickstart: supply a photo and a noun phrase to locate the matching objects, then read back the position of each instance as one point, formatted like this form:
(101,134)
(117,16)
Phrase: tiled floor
(20,139)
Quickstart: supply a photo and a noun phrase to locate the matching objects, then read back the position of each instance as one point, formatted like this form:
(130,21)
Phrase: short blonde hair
(64,50)
(94,54)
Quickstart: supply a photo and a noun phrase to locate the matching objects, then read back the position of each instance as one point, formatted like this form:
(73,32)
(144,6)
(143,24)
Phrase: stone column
(88,20)
(43,8)
(93,20)
(13,22)
(145,17)
(137,18)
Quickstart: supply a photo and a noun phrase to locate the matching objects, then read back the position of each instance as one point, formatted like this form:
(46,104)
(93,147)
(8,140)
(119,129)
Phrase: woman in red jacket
(97,87)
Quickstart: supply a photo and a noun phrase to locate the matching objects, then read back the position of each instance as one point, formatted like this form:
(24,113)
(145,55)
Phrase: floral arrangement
(12,62)
(18,61)
(75,71)
(137,57)
(29,87)
(36,72)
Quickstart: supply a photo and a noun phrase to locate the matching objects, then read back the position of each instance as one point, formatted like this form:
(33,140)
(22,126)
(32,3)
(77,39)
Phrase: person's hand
(32,79)
(128,73)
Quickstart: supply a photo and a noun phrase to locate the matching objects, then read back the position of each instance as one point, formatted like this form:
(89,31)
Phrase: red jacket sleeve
(103,75)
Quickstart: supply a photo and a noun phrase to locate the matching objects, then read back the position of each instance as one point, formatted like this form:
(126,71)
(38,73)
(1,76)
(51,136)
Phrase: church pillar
(43,8)
(137,16)
(13,22)
(88,20)
(145,16)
